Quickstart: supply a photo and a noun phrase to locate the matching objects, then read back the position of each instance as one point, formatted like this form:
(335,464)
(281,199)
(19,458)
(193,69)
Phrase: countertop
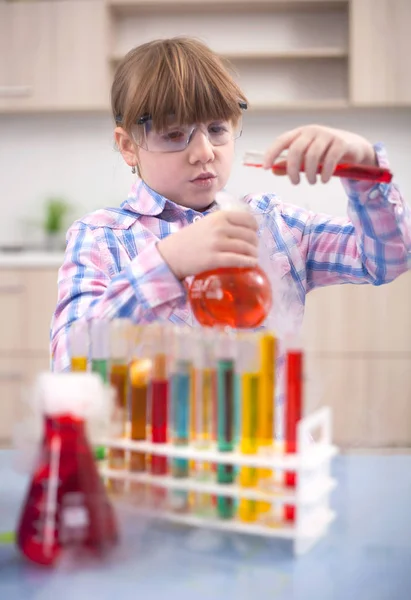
(366,555)
(27,260)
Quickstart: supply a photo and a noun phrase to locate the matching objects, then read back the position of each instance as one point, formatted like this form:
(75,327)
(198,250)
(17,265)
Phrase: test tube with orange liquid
(140,374)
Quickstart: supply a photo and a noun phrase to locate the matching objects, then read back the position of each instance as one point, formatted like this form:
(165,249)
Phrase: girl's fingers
(281,143)
(243,233)
(240,219)
(296,155)
(232,259)
(315,155)
(237,247)
(333,156)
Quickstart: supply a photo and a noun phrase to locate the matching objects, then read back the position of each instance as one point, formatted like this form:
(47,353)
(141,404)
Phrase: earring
(133,170)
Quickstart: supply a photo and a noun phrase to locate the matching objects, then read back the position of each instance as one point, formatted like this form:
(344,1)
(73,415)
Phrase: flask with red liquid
(238,297)
(66,504)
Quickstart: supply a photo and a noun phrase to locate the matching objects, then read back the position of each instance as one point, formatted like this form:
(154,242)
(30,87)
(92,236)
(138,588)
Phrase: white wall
(73,156)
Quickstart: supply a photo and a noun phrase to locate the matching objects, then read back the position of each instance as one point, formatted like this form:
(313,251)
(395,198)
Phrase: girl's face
(190,177)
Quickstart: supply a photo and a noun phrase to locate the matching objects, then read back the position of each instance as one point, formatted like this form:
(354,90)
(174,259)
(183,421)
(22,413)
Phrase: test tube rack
(310,497)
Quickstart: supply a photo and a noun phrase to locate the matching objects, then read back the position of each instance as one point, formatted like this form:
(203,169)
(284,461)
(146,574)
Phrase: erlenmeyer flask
(66,504)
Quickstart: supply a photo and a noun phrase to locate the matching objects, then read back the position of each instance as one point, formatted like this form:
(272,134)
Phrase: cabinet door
(369,398)
(380,52)
(25,77)
(12,312)
(359,318)
(41,303)
(17,378)
(11,390)
(54,55)
(80,54)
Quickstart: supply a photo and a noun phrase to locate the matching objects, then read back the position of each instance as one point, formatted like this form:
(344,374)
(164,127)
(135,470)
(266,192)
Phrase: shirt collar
(145,201)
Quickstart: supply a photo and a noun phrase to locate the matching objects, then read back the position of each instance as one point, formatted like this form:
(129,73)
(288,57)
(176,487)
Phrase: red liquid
(233,297)
(347,170)
(159,411)
(159,399)
(293,412)
(66,504)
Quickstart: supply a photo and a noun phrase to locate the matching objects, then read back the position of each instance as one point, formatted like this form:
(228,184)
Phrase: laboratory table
(365,556)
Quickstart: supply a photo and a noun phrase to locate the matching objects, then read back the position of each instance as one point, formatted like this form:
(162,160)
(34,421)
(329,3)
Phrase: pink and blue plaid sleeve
(146,290)
(372,245)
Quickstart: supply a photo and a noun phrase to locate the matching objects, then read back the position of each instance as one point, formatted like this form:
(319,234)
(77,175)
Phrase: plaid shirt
(112,267)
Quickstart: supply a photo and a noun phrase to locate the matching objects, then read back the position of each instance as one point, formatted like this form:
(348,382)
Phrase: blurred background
(339,63)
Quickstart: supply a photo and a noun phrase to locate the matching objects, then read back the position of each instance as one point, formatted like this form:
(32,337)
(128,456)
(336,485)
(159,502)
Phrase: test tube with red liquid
(293,414)
(345,170)
(159,391)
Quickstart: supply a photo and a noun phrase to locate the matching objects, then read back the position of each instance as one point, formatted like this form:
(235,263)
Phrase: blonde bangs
(179,77)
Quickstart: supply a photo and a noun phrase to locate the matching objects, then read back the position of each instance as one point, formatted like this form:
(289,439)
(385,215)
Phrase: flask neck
(67,425)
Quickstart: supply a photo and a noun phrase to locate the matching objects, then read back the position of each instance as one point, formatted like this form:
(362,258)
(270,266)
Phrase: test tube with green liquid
(226,355)
(100,350)
(100,353)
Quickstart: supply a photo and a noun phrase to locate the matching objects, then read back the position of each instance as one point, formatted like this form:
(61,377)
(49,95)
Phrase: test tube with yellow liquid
(78,337)
(119,358)
(205,391)
(266,413)
(249,369)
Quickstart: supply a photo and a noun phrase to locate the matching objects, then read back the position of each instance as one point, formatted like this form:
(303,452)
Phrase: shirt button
(196,218)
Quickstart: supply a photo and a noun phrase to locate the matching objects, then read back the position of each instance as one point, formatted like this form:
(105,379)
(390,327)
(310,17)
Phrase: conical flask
(66,504)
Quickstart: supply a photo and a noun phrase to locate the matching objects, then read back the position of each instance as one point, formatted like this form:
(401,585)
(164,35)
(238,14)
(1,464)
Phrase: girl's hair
(178,76)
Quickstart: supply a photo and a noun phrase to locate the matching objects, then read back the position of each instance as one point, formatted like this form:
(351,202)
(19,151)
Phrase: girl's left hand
(314,144)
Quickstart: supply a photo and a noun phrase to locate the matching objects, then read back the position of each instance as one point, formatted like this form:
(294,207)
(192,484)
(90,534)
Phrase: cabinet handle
(10,377)
(12,289)
(15,91)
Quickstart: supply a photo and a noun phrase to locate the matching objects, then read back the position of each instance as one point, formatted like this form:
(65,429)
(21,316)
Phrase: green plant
(56,211)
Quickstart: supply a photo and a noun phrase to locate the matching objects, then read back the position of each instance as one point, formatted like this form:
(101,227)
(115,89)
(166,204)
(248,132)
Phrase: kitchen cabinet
(53,56)
(380,73)
(300,54)
(27,301)
(360,319)
(369,396)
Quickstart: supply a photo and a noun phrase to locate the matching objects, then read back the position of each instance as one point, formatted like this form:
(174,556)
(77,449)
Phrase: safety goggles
(175,137)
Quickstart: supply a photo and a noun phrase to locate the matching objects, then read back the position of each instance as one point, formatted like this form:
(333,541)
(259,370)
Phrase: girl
(177,113)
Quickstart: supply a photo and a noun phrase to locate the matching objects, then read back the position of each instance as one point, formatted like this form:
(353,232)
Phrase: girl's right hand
(221,239)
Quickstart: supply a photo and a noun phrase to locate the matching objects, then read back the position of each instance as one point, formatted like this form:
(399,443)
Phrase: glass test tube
(345,170)
(249,369)
(78,344)
(158,397)
(226,354)
(119,350)
(180,396)
(99,354)
(293,414)
(140,374)
(100,348)
(205,400)
(266,414)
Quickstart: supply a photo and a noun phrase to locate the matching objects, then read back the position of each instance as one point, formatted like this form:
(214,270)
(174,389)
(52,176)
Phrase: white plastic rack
(311,496)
